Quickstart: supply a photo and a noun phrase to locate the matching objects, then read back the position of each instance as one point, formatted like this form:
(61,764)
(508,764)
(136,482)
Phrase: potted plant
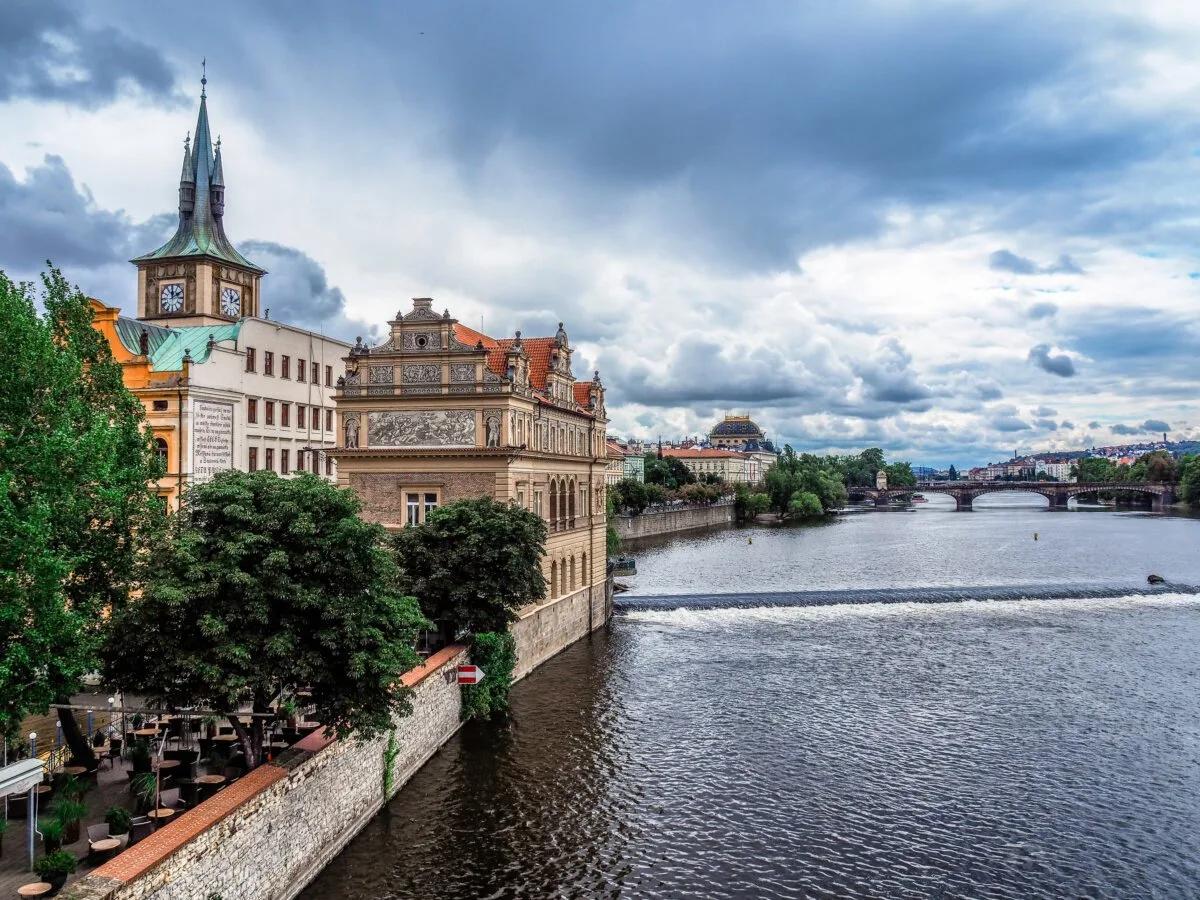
(52,834)
(144,786)
(55,867)
(139,756)
(137,720)
(288,710)
(119,821)
(69,811)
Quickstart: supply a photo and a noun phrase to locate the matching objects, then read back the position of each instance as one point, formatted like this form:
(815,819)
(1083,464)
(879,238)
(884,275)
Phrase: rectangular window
(268,362)
(299,370)
(329,420)
(328,465)
(329,376)
(285,414)
(413,505)
(431,502)
(253,459)
(537,502)
(270,459)
(316,372)
(285,366)
(299,415)
(251,411)
(249,359)
(284,464)
(160,405)
(270,410)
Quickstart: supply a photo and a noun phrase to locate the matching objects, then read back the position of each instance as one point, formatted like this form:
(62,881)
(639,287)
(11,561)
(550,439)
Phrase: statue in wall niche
(352,432)
(493,431)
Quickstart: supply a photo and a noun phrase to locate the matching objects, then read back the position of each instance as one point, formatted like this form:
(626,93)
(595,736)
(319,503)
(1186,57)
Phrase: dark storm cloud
(1132,339)
(1125,430)
(1044,412)
(1094,424)
(1155,425)
(51,53)
(1065,425)
(1055,363)
(1043,310)
(298,292)
(48,216)
(1045,424)
(1007,423)
(756,136)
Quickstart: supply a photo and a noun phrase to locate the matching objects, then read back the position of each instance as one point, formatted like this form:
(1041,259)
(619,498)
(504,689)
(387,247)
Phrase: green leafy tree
(1158,466)
(793,473)
(952,473)
(76,506)
(900,474)
(669,472)
(263,587)
(473,563)
(1093,469)
(749,503)
(1189,479)
(629,496)
(805,505)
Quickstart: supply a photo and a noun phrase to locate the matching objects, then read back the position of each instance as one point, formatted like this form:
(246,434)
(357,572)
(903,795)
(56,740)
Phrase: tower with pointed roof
(198,277)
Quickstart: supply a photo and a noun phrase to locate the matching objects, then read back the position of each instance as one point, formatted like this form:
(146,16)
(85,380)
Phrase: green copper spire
(201,202)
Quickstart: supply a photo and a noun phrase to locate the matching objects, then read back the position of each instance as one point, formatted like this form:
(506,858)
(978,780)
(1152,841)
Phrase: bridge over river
(1057,492)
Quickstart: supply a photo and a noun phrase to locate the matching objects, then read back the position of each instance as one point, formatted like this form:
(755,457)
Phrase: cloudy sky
(947,229)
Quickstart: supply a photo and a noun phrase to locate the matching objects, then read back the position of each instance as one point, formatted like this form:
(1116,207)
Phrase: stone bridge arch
(1057,493)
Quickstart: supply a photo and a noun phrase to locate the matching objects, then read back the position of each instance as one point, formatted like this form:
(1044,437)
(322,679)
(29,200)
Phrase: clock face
(231,302)
(171,298)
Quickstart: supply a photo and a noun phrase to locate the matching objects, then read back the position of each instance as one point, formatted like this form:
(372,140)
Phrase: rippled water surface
(1015,748)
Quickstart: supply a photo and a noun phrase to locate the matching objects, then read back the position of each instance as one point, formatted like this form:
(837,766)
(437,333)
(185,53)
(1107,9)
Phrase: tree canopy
(1189,479)
(76,502)
(669,472)
(473,563)
(266,586)
(794,473)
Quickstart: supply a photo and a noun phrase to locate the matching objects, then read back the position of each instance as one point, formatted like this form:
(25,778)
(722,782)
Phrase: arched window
(571,504)
(553,579)
(160,450)
(562,504)
(585,577)
(571,570)
(553,504)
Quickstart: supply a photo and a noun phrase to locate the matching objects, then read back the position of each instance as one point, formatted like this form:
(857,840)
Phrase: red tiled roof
(696,453)
(471,337)
(581,389)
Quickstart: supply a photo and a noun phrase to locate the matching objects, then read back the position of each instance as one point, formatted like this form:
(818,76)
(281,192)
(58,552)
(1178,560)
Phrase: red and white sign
(470,674)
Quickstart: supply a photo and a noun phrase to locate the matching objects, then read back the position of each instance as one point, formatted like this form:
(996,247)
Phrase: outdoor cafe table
(165,764)
(105,848)
(160,816)
(226,738)
(147,732)
(75,771)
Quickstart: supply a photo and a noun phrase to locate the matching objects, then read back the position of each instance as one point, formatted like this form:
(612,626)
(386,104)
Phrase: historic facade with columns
(441,412)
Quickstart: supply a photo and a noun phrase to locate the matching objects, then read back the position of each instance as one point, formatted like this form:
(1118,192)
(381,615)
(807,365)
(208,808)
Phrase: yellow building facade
(441,412)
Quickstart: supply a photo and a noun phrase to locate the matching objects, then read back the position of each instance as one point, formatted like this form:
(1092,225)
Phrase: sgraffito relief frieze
(379,375)
(421,428)
(426,373)
(461,372)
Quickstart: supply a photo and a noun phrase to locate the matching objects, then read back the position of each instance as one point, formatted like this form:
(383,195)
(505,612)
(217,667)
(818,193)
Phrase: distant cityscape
(737,450)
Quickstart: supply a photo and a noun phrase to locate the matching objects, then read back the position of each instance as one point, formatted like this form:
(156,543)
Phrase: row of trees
(631,496)
(258,588)
(804,485)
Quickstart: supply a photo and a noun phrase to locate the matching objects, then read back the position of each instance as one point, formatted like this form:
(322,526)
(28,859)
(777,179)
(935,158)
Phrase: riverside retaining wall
(672,519)
(267,836)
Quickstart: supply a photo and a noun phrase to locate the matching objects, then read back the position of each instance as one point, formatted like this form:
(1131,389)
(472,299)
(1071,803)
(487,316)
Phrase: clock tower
(198,277)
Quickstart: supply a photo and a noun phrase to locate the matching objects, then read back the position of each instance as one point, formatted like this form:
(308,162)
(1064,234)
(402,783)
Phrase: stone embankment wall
(267,835)
(672,519)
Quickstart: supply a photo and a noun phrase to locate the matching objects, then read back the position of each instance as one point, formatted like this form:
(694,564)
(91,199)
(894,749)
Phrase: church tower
(197,277)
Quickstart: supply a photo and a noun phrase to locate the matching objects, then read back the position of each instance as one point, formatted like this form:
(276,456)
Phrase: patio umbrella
(17,778)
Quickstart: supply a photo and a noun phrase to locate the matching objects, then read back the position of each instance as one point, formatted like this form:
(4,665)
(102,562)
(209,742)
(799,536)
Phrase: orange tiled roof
(471,337)
(581,389)
(697,453)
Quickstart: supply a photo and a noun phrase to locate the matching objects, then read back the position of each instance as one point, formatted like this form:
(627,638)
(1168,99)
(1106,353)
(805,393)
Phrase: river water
(785,713)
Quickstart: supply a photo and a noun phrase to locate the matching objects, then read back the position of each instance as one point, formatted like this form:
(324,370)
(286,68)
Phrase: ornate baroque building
(441,412)
(222,387)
